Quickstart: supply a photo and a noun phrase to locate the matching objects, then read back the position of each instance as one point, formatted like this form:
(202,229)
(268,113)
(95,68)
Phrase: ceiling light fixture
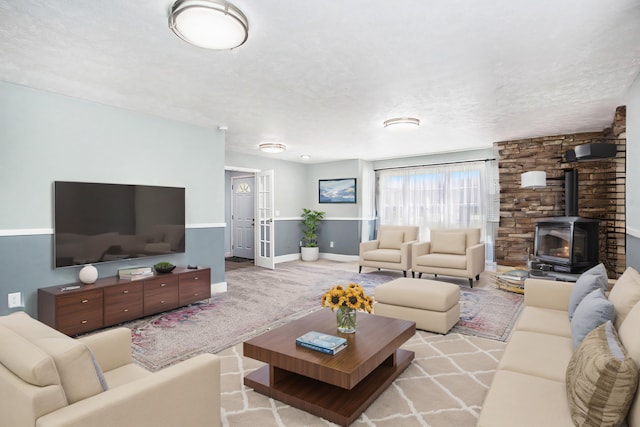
(402,123)
(212,24)
(272,147)
(305,157)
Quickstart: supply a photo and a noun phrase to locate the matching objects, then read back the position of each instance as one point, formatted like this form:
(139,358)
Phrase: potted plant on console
(310,222)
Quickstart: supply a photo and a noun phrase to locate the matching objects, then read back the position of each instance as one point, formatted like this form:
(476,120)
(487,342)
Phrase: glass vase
(346,318)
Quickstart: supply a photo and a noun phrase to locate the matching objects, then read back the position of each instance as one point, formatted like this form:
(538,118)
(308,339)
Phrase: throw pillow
(601,379)
(391,239)
(625,294)
(449,242)
(590,280)
(594,310)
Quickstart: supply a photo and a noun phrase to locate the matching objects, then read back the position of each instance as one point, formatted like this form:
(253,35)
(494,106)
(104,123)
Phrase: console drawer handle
(162,302)
(195,278)
(125,292)
(126,310)
(195,295)
(83,322)
(84,301)
(163,284)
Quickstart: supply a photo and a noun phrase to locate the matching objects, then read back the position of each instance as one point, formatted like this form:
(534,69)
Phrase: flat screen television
(95,222)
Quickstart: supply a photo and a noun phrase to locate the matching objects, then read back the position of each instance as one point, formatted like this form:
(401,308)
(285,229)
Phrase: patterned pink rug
(258,299)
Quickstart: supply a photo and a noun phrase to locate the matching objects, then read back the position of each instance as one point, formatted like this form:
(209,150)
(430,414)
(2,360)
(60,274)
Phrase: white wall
(633,159)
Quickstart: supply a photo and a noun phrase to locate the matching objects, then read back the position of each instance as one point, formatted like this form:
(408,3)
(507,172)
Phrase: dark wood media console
(110,300)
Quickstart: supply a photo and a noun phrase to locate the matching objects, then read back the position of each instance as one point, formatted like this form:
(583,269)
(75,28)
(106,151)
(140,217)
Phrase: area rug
(444,386)
(488,313)
(259,299)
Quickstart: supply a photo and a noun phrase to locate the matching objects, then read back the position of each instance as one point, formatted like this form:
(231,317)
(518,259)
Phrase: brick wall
(601,192)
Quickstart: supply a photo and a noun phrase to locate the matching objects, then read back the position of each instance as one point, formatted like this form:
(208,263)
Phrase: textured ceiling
(322,76)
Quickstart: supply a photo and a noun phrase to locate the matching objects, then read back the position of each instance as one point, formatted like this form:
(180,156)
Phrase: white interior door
(242,216)
(264,236)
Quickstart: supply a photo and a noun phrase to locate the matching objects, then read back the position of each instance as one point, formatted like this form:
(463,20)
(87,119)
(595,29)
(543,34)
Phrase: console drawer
(122,303)
(160,294)
(195,286)
(79,312)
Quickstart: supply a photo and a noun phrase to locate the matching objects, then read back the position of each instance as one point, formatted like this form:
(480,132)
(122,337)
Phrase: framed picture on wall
(341,190)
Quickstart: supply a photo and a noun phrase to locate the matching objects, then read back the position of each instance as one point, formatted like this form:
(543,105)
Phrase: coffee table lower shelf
(336,404)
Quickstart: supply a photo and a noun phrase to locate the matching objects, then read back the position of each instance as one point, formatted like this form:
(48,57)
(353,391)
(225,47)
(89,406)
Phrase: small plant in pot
(310,222)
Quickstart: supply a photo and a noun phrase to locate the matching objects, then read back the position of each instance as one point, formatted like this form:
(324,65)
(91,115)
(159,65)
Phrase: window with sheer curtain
(460,195)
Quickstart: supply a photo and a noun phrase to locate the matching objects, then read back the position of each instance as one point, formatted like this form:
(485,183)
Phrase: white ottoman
(434,306)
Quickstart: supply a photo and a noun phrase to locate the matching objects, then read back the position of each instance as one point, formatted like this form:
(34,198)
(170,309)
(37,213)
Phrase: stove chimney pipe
(571,192)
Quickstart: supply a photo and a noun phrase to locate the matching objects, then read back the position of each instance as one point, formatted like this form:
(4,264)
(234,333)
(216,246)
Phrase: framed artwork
(337,190)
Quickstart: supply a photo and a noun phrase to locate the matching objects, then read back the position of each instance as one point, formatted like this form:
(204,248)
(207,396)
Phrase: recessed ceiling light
(272,147)
(305,157)
(212,24)
(402,123)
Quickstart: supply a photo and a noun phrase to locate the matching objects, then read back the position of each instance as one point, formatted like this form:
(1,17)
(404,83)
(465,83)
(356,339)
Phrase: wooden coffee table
(340,387)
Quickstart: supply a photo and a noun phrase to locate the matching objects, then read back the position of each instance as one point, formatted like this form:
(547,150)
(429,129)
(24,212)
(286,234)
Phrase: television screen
(96,222)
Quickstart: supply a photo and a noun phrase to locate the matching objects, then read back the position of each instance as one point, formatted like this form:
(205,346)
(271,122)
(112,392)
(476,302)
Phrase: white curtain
(460,195)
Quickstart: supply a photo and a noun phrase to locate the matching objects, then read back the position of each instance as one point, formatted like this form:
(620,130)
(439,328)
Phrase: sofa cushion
(625,294)
(459,262)
(449,242)
(391,239)
(26,360)
(630,338)
(601,379)
(517,399)
(72,358)
(538,354)
(594,310)
(590,280)
(383,255)
(544,320)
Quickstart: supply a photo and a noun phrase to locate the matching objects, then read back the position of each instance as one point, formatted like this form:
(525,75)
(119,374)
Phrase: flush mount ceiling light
(402,123)
(211,24)
(272,147)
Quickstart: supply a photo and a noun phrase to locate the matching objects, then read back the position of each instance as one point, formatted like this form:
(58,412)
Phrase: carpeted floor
(444,386)
(260,299)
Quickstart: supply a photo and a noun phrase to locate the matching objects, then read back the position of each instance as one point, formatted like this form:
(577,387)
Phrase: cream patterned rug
(444,386)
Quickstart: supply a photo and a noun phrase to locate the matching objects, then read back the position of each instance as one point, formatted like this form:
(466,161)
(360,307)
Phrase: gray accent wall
(45,137)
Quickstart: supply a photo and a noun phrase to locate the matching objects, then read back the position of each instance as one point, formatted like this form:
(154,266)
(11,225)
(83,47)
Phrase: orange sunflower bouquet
(346,301)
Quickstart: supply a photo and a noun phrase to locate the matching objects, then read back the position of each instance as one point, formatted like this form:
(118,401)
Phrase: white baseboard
(339,257)
(218,288)
(286,258)
(332,257)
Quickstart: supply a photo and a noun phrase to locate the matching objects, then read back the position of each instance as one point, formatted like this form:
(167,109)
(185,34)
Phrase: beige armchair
(392,249)
(450,252)
(48,379)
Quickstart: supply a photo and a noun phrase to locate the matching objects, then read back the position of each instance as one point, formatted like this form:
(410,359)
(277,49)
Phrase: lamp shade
(211,24)
(533,179)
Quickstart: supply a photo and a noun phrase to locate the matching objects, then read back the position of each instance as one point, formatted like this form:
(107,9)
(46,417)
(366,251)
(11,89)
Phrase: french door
(264,232)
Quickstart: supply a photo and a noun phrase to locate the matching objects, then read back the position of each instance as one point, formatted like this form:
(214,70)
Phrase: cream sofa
(451,252)
(391,250)
(50,380)
(534,384)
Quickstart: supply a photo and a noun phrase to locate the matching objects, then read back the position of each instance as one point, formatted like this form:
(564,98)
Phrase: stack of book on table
(324,343)
(134,273)
(512,280)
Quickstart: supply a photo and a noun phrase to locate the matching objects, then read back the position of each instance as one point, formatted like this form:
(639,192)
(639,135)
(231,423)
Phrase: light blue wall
(46,137)
(633,176)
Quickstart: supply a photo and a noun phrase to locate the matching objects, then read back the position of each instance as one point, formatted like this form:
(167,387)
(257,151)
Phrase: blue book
(324,343)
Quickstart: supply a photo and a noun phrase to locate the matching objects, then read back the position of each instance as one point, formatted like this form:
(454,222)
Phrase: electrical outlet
(331,244)
(15,300)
